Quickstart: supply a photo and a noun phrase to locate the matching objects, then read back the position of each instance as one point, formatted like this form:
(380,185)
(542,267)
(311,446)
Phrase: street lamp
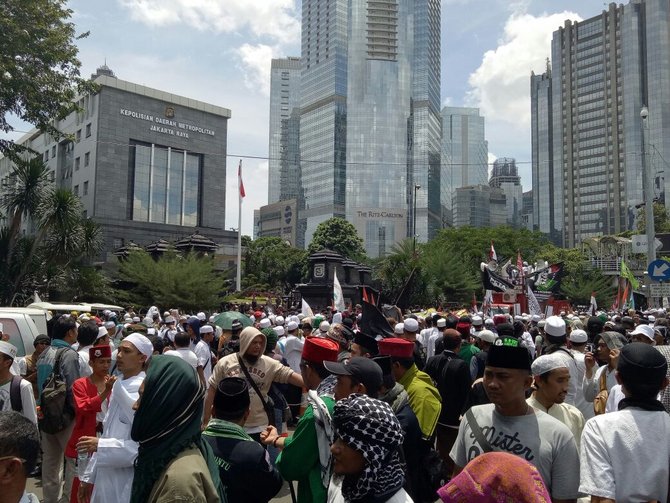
(648,182)
(416,187)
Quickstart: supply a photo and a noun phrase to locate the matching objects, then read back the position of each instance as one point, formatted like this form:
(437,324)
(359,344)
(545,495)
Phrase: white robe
(111,468)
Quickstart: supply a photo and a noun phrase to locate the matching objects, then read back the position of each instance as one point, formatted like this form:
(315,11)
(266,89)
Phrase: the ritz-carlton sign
(167,125)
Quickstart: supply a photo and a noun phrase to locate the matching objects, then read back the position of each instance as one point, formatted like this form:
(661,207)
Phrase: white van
(21,329)
(39,316)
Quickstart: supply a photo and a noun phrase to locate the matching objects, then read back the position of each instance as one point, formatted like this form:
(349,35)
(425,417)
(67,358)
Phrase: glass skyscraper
(464,153)
(604,69)
(369,118)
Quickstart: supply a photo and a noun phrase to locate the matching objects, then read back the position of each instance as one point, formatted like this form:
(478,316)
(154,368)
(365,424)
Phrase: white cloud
(278,19)
(500,87)
(255,61)
(448,101)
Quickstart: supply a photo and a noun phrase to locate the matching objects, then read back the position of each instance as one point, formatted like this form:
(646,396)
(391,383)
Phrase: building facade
(604,70)
(505,176)
(369,124)
(480,206)
(464,152)
(146,164)
(279,220)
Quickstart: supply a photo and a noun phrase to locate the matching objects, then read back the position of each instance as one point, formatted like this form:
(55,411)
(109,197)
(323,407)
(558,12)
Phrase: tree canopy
(340,236)
(271,263)
(39,69)
(186,282)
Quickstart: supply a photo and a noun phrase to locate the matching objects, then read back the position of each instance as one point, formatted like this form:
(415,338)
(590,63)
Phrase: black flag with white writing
(493,281)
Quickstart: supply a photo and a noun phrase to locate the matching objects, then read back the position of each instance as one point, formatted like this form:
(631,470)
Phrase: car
(39,316)
(21,329)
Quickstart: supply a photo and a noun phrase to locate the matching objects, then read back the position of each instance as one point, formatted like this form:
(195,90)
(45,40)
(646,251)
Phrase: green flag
(626,273)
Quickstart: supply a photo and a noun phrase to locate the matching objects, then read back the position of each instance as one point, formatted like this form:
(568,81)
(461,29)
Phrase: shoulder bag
(269,407)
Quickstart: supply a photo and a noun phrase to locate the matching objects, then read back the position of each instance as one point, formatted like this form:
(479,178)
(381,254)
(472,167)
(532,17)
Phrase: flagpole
(238,283)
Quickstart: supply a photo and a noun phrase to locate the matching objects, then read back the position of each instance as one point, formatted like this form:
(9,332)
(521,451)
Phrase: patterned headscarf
(496,477)
(370,427)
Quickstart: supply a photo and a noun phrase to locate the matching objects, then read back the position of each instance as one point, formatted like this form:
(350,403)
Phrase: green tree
(39,69)
(451,279)
(187,282)
(578,288)
(394,271)
(661,219)
(270,263)
(340,236)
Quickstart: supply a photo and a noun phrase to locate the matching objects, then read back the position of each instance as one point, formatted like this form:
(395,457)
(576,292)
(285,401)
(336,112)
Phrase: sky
(219,51)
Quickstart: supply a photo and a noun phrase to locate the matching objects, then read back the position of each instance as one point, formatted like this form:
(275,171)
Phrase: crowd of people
(116,407)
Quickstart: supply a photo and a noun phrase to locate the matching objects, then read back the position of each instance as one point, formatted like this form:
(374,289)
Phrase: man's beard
(250,358)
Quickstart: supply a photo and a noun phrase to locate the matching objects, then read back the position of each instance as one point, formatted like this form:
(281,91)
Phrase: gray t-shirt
(538,438)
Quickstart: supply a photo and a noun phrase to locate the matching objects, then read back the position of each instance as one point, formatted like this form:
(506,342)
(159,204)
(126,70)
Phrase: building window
(88,130)
(85,188)
(53,151)
(76,190)
(77,162)
(78,135)
(166,187)
(87,159)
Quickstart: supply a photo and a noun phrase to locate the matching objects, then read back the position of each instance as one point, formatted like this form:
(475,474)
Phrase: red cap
(399,348)
(499,318)
(258,315)
(463,328)
(103,351)
(318,350)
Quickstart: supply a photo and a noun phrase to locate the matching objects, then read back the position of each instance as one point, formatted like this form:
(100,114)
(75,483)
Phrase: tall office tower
(505,176)
(370,127)
(604,69)
(465,152)
(284,149)
(547,203)
(323,110)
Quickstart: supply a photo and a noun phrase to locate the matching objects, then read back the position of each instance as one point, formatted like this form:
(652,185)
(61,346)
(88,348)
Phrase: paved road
(35,486)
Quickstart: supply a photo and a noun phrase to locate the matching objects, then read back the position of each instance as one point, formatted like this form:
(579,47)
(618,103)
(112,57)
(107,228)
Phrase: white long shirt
(111,468)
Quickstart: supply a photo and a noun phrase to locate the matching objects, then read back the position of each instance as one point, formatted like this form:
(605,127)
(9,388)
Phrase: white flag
(594,304)
(306,310)
(338,298)
(533,304)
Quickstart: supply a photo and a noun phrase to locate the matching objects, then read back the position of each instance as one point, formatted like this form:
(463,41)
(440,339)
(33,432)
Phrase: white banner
(338,297)
(533,304)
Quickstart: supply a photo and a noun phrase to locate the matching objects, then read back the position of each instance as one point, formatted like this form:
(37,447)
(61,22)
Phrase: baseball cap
(363,369)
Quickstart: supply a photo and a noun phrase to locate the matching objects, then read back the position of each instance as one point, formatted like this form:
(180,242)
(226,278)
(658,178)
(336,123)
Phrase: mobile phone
(589,348)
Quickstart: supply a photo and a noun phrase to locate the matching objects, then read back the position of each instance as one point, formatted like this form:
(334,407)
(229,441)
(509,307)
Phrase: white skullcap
(292,325)
(547,363)
(207,329)
(324,326)
(487,336)
(441,323)
(166,313)
(279,330)
(578,336)
(110,324)
(264,323)
(148,321)
(8,349)
(535,318)
(300,317)
(142,344)
(170,319)
(151,331)
(102,332)
(489,322)
(136,319)
(201,316)
(554,326)
(477,321)
(211,319)
(279,320)
(399,328)
(411,325)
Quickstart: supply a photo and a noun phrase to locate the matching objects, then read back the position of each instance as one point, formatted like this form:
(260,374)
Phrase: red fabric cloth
(87,404)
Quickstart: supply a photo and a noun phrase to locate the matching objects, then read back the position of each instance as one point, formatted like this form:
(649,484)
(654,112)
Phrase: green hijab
(167,422)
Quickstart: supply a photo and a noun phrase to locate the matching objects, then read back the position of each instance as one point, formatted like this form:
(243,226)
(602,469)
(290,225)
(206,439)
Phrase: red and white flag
(240,183)
(492,253)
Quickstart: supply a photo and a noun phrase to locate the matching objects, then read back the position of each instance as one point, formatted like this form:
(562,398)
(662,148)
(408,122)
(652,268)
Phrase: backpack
(15,394)
(56,414)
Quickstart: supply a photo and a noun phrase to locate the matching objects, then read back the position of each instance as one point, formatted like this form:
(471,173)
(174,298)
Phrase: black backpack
(15,394)
(56,413)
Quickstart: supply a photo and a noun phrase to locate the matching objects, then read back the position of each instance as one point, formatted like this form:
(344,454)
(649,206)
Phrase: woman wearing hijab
(496,477)
(173,462)
(366,453)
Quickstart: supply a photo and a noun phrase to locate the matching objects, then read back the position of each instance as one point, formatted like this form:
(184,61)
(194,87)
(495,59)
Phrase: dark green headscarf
(167,422)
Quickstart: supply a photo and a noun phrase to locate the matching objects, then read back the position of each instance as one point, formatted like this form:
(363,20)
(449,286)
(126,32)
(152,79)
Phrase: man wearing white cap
(577,341)
(440,326)
(551,377)
(556,337)
(410,329)
(111,466)
(204,353)
(13,387)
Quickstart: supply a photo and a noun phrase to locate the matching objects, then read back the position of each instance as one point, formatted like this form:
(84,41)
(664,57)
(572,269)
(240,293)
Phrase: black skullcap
(348,322)
(505,330)
(368,342)
(231,398)
(642,363)
(385,363)
(506,353)
(42,339)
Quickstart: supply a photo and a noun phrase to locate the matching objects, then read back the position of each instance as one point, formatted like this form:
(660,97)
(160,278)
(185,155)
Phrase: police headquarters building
(147,164)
